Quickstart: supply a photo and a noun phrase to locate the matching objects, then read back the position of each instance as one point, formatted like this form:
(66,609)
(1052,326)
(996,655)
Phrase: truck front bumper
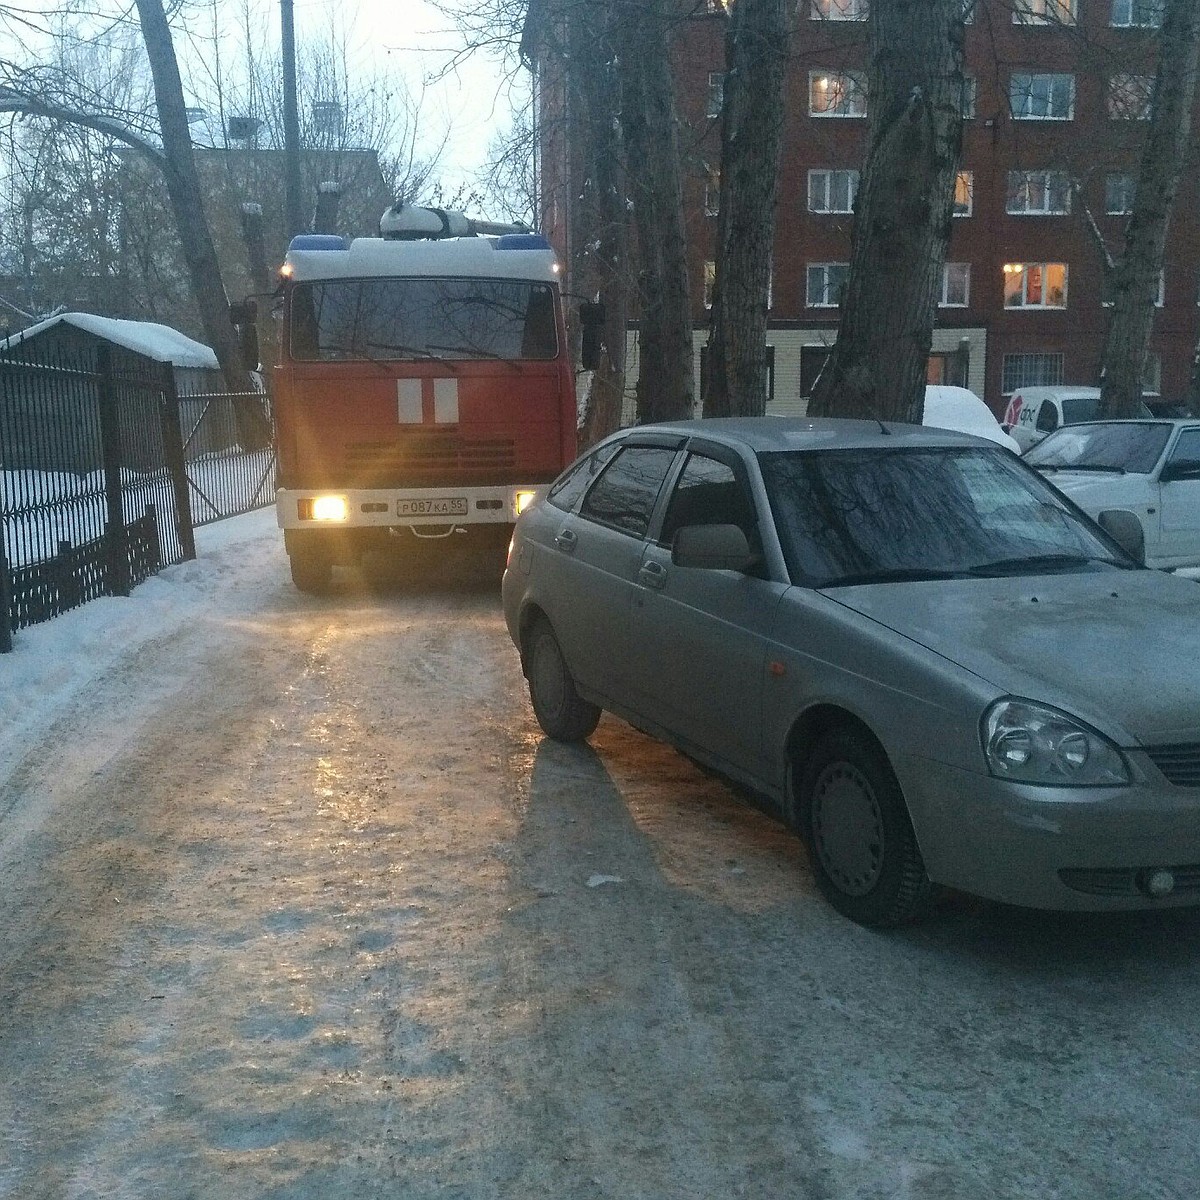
(365,508)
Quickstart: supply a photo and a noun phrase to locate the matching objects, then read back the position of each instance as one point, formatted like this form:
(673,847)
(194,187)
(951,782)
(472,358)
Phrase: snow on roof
(159,342)
(372,258)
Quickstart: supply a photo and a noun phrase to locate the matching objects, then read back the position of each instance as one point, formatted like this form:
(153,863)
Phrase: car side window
(1047,418)
(566,491)
(1187,450)
(625,494)
(708,493)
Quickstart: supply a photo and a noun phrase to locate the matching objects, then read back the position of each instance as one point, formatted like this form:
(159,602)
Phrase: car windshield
(1087,408)
(865,516)
(423,318)
(1104,447)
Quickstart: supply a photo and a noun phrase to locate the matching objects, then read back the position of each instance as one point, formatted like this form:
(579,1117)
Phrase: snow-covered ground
(52,662)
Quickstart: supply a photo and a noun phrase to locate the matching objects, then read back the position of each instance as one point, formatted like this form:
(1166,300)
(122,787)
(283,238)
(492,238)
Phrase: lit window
(1030,370)
(969,92)
(964,193)
(825,284)
(1130,97)
(1041,97)
(712,191)
(839,10)
(832,191)
(1147,14)
(1035,285)
(1044,12)
(1160,296)
(837,94)
(716,93)
(710,282)
(956,286)
(1039,193)
(1119,187)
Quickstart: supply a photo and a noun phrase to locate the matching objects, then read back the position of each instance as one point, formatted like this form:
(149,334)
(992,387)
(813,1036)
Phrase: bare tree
(903,212)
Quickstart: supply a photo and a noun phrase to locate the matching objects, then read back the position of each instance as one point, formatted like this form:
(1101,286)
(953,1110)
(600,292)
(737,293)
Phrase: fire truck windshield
(423,318)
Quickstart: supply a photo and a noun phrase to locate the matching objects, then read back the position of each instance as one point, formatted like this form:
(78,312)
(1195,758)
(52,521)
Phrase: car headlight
(1034,743)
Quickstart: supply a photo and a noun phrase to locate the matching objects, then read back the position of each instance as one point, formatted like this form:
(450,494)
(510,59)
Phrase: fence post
(172,435)
(110,442)
(5,600)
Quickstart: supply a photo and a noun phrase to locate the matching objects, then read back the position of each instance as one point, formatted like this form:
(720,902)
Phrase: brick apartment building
(1057,97)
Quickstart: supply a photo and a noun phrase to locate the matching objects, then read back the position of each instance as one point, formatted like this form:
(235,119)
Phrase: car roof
(1132,421)
(767,434)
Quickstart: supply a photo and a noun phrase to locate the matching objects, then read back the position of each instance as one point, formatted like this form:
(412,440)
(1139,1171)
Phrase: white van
(1033,412)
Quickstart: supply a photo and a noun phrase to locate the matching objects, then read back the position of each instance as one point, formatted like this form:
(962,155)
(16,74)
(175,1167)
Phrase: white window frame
(852,86)
(1152,373)
(1044,12)
(1041,379)
(839,10)
(710,282)
(712,191)
(1025,180)
(715,99)
(1160,297)
(1131,181)
(1124,14)
(970,97)
(969,176)
(823,178)
(965,270)
(968,10)
(824,268)
(1017,102)
(1129,97)
(1023,269)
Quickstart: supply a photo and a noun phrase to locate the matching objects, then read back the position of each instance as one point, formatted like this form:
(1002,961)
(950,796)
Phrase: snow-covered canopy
(159,342)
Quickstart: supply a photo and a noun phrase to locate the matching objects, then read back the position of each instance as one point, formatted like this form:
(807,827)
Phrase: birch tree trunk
(651,135)
(1134,277)
(903,213)
(756,54)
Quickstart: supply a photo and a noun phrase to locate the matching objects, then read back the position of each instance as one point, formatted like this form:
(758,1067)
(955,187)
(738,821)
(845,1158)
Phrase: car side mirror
(1173,472)
(1126,530)
(591,317)
(712,548)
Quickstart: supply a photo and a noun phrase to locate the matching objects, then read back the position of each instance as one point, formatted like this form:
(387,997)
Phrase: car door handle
(653,574)
(566,541)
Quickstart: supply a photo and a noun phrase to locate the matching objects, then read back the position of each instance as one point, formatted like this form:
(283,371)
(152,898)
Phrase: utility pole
(291,122)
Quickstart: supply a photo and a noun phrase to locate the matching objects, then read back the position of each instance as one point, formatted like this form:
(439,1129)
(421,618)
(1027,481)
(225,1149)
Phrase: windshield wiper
(896,575)
(417,352)
(481,353)
(1037,562)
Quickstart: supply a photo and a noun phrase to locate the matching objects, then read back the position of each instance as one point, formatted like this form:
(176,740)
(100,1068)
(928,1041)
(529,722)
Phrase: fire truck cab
(424,388)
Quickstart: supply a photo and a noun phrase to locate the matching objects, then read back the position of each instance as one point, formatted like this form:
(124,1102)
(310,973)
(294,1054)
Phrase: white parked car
(1150,468)
(962,411)
(1036,412)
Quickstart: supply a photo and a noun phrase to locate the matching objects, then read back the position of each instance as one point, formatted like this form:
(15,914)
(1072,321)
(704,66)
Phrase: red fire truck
(424,388)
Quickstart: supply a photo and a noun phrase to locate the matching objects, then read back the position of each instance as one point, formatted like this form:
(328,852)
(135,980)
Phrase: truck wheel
(560,711)
(312,572)
(853,816)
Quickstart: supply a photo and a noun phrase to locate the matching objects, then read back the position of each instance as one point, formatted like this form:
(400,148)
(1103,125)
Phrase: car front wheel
(864,852)
(560,711)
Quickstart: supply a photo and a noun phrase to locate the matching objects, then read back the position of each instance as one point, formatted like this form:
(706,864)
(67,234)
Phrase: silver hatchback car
(939,669)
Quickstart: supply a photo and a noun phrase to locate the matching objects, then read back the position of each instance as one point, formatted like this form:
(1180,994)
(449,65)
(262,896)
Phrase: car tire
(312,572)
(560,711)
(853,817)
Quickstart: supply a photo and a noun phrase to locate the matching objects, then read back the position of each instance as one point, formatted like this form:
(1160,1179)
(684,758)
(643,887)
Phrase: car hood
(1109,647)
(1093,491)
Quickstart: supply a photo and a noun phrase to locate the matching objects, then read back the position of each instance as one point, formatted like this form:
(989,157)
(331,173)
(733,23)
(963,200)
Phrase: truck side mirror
(1126,530)
(591,317)
(244,318)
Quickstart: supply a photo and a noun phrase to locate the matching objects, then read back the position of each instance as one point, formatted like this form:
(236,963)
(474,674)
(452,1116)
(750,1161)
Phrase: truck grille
(1180,764)
(436,458)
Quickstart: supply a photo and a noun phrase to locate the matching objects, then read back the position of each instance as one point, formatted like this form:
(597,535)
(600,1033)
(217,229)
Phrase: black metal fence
(105,471)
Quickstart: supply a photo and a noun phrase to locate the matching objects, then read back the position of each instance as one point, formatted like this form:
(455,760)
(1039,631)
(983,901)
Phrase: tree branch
(13,101)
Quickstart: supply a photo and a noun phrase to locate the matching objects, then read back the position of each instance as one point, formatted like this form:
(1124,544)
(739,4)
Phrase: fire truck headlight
(330,508)
(524,500)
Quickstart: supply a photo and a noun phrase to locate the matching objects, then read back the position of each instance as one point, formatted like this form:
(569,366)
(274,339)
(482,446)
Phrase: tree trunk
(756,54)
(903,213)
(183,190)
(651,136)
(1134,278)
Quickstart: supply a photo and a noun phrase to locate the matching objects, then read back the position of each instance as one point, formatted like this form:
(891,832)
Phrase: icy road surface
(297,903)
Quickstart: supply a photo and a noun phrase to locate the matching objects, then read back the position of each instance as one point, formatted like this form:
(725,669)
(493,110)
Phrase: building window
(1030,370)
(970,91)
(710,282)
(1044,12)
(712,191)
(1041,97)
(1119,187)
(770,370)
(1035,285)
(1039,193)
(825,284)
(832,191)
(1152,374)
(1160,296)
(837,94)
(956,285)
(716,93)
(964,193)
(840,10)
(1130,97)
(1145,14)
